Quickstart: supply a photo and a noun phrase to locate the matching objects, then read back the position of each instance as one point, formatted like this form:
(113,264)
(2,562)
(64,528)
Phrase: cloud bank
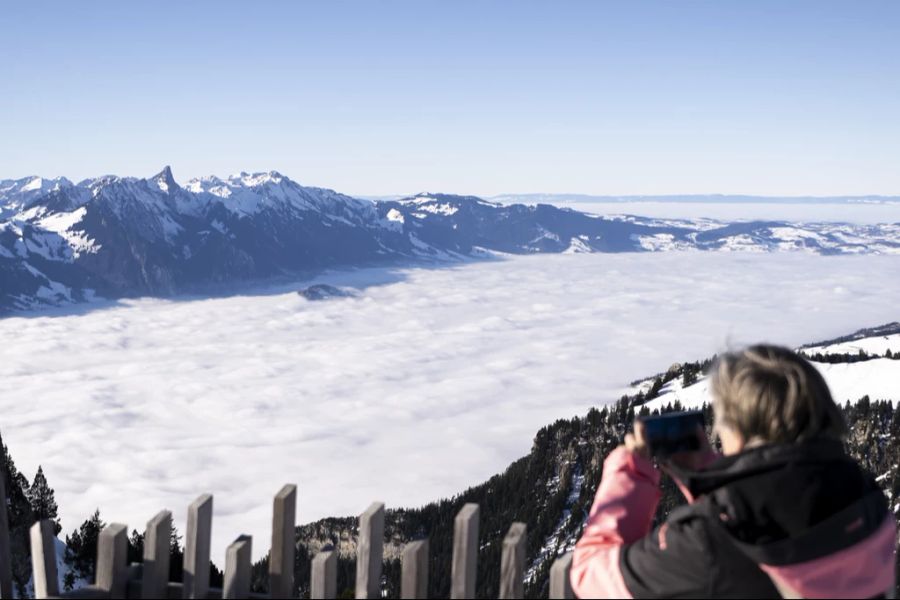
(430,381)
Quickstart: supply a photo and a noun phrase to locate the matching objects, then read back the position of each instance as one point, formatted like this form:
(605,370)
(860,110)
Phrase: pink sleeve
(622,513)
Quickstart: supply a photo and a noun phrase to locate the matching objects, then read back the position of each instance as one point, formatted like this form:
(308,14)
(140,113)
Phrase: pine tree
(42,500)
(176,556)
(136,547)
(81,547)
(19,518)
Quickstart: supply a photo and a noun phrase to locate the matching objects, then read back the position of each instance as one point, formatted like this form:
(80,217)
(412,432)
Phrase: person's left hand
(635,442)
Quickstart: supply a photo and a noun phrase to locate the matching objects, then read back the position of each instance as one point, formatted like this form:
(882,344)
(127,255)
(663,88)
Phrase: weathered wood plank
(196,548)
(5,549)
(560,585)
(414,570)
(237,568)
(512,563)
(281,558)
(112,559)
(43,560)
(156,556)
(323,583)
(369,552)
(465,552)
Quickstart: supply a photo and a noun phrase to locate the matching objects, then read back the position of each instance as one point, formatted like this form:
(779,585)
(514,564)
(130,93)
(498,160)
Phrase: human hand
(635,441)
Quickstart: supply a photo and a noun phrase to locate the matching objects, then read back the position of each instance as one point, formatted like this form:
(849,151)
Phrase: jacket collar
(756,461)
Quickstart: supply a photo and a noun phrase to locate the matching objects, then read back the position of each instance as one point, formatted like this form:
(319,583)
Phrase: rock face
(323,291)
(62,242)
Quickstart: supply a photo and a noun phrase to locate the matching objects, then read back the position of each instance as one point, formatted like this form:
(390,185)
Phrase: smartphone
(672,433)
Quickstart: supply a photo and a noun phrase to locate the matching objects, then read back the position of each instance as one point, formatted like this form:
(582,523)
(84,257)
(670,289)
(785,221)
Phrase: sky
(377,98)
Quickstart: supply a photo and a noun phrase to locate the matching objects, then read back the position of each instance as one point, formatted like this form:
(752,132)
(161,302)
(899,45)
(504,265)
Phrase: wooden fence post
(112,559)
(43,560)
(465,552)
(5,549)
(237,568)
(560,585)
(512,563)
(196,548)
(414,570)
(323,582)
(281,558)
(155,578)
(369,552)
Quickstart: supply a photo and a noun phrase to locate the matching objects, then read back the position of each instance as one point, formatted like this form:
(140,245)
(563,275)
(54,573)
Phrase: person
(784,513)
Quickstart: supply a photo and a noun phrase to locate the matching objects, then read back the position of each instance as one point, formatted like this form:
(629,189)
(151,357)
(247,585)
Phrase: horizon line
(575,196)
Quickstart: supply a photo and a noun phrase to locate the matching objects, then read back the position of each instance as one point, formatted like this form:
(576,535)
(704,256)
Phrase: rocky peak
(164,180)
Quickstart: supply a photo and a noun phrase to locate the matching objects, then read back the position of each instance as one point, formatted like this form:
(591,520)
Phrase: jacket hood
(778,492)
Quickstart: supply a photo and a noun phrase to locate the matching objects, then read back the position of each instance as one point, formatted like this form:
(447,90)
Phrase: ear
(732,441)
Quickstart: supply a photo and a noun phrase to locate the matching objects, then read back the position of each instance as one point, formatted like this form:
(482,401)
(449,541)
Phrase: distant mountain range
(113,237)
(696,198)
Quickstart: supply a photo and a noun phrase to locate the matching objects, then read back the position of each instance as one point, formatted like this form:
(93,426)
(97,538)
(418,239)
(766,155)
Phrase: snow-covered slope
(875,341)
(878,378)
(116,236)
(18,194)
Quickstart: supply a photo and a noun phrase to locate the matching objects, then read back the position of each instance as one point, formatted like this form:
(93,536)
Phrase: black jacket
(786,508)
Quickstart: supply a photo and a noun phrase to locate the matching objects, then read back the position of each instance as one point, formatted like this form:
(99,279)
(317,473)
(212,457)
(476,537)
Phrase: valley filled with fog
(427,382)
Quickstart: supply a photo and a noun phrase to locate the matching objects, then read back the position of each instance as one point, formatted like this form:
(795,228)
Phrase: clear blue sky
(781,98)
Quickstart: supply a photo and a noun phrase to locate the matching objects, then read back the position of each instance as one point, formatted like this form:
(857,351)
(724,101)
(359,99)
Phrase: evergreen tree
(653,392)
(176,556)
(19,518)
(136,547)
(81,547)
(42,500)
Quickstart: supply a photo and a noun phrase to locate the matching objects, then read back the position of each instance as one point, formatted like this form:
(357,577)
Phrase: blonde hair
(772,395)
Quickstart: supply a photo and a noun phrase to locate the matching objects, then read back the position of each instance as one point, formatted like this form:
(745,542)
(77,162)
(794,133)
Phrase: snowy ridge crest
(118,236)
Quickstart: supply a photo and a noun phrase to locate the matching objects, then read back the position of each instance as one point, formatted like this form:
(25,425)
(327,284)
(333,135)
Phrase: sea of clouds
(430,381)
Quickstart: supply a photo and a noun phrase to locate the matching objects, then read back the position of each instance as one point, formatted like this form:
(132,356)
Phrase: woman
(784,513)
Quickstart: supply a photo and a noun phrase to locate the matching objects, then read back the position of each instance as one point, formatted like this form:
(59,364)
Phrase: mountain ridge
(116,237)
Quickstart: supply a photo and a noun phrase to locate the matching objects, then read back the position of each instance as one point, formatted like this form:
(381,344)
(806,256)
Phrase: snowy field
(878,378)
(431,381)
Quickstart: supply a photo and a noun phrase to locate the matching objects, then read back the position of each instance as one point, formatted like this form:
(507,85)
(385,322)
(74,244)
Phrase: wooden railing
(150,579)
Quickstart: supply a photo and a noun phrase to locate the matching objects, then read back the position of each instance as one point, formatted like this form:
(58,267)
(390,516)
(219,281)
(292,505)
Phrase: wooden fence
(150,579)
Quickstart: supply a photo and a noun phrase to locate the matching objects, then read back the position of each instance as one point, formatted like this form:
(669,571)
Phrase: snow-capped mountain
(115,236)
(18,194)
